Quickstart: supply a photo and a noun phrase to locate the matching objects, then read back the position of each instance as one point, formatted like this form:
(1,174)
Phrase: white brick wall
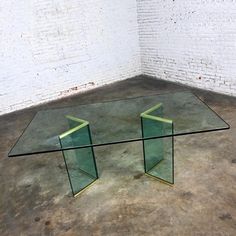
(190,41)
(54,48)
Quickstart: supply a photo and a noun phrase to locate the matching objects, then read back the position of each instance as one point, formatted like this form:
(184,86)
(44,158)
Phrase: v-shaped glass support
(158,152)
(80,163)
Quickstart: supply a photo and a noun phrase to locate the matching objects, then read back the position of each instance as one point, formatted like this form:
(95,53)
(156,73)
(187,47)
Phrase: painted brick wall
(54,48)
(190,41)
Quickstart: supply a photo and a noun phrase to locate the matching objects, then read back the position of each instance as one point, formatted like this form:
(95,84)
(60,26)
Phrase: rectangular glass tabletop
(116,122)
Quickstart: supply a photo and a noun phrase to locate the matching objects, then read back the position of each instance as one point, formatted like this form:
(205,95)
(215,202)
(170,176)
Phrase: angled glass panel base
(80,163)
(158,152)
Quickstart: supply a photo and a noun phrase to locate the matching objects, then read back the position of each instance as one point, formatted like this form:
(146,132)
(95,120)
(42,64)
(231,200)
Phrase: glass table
(154,120)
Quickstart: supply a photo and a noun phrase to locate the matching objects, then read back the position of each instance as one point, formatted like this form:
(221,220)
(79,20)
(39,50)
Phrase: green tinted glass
(80,163)
(158,152)
(118,121)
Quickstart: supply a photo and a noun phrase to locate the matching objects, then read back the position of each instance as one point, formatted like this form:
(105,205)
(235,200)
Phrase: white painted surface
(190,41)
(54,48)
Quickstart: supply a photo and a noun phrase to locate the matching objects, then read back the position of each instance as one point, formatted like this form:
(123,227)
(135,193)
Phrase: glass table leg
(158,152)
(80,163)
(159,158)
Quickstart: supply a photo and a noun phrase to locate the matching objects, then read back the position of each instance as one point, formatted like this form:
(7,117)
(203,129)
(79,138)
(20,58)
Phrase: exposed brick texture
(54,48)
(190,41)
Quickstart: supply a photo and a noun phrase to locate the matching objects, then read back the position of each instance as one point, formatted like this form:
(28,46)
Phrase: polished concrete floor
(35,197)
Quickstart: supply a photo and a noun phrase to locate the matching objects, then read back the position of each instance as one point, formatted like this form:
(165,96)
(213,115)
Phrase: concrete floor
(36,198)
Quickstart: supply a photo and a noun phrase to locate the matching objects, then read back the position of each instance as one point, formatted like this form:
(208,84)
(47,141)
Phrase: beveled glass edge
(156,118)
(115,100)
(20,137)
(211,109)
(70,131)
(121,141)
